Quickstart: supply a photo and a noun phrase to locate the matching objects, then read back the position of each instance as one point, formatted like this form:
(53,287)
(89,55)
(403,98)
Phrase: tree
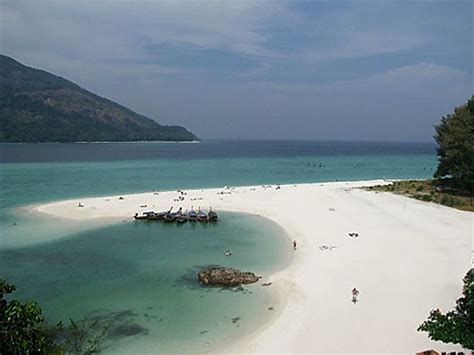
(455,138)
(456,326)
(22,327)
(23,330)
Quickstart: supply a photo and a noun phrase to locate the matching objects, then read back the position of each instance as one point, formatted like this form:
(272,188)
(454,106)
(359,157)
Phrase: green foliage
(19,78)
(424,197)
(429,191)
(455,138)
(36,106)
(23,330)
(456,326)
(22,327)
(448,200)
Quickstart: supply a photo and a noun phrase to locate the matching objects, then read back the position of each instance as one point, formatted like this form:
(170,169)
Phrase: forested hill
(36,106)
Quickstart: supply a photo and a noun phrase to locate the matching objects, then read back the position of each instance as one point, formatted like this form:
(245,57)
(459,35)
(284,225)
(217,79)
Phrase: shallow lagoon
(141,277)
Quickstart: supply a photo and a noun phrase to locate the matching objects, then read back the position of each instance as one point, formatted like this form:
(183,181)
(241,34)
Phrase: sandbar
(407,258)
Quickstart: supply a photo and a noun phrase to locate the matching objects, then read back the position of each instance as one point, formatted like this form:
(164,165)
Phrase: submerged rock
(226,276)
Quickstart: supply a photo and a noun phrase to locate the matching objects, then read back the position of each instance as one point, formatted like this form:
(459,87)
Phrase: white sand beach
(408,258)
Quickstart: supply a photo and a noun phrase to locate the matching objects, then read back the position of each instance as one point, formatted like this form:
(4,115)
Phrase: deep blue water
(212,149)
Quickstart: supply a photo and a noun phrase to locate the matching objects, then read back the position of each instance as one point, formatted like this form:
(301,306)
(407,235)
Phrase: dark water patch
(127,330)
(114,316)
(119,324)
(149,317)
(210,148)
(123,315)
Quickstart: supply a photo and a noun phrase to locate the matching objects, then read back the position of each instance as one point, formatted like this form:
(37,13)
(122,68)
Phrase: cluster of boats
(179,216)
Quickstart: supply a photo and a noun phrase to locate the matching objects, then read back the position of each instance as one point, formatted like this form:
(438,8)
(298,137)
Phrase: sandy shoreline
(410,257)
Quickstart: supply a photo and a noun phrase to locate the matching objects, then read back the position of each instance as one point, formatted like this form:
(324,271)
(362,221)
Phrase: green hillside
(36,106)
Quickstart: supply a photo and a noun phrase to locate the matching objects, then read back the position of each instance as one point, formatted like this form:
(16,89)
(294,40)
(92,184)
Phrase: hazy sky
(345,70)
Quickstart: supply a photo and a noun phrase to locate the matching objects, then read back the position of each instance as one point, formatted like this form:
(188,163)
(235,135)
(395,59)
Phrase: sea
(139,279)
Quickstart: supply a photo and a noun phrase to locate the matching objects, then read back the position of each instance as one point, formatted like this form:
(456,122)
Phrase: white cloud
(364,44)
(422,80)
(105,29)
(98,31)
(419,80)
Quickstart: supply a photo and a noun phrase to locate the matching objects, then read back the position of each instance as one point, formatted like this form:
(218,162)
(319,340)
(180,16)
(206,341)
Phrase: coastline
(106,142)
(410,258)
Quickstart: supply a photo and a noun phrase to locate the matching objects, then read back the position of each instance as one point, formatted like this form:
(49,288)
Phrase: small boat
(212,216)
(178,216)
(145,215)
(161,215)
(192,215)
(152,215)
(171,217)
(202,216)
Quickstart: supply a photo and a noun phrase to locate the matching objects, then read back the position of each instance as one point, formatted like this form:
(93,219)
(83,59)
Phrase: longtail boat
(192,215)
(171,217)
(152,215)
(212,216)
(145,215)
(179,216)
(161,215)
(201,216)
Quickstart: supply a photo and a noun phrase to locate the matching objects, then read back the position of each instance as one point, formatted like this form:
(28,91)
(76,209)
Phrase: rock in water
(226,276)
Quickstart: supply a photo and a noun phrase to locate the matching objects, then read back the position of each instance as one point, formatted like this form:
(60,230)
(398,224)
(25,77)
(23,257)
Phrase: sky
(384,70)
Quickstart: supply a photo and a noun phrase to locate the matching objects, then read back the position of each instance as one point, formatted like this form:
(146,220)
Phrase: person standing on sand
(355,293)
(294,244)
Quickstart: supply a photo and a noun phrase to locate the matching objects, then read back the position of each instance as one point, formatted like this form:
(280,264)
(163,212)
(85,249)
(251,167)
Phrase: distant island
(36,106)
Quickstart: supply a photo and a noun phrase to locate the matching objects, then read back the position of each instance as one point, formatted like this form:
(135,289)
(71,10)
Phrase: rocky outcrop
(226,276)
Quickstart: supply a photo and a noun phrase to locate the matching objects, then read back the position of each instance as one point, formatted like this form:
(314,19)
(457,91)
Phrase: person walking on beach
(294,244)
(355,293)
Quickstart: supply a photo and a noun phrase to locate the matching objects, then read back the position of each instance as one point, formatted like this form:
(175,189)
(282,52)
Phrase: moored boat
(152,215)
(192,215)
(171,217)
(145,215)
(212,216)
(161,215)
(201,216)
(178,216)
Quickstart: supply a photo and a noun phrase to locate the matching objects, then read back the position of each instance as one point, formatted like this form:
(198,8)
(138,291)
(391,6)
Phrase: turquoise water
(141,277)
(28,183)
(24,183)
